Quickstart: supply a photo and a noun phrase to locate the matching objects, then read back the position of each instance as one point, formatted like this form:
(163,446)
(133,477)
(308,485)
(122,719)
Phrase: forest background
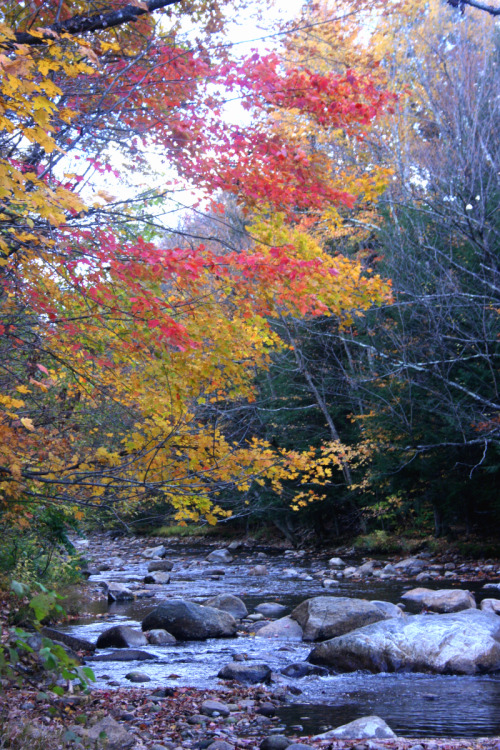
(314,344)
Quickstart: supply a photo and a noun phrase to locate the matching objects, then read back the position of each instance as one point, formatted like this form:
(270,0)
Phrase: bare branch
(82,24)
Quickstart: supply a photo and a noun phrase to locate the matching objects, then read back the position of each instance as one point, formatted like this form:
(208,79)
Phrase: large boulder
(368,727)
(442,601)
(285,629)
(465,642)
(188,621)
(228,603)
(325,617)
(121,636)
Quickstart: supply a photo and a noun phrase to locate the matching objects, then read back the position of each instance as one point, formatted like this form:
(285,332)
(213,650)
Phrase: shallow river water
(412,704)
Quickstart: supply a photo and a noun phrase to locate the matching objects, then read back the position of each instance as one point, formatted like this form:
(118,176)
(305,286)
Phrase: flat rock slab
(368,727)
(73,642)
(465,642)
(126,654)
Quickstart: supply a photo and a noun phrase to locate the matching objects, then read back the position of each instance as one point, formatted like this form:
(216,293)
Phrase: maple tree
(113,341)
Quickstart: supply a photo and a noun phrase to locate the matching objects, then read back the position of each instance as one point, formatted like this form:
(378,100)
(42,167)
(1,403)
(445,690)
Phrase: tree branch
(474,4)
(82,24)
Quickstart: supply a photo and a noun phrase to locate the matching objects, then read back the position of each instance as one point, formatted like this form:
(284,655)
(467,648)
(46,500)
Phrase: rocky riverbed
(273,614)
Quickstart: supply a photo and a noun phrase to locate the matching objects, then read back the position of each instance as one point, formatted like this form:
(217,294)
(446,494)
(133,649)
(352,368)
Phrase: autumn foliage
(113,337)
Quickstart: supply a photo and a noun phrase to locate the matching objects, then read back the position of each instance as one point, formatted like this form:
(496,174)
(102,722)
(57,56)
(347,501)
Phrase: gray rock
(299,746)
(220,745)
(271,609)
(258,570)
(137,677)
(121,636)
(389,569)
(492,586)
(303,669)
(336,562)
(189,621)
(466,642)
(77,644)
(228,603)
(491,605)
(107,733)
(325,617)
(390,610)
(284,628)
(159,576)
(160,637)
(327,583)
(126,654)
(275,742)
(367,568)
(410,566)
(159,551)
(368,727)
(246,672)
(208,708)
(442,601)
(290,573)
(118,592)
(220,556)
(164,566)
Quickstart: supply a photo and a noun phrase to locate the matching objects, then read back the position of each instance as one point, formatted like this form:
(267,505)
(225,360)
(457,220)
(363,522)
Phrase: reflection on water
(413,705)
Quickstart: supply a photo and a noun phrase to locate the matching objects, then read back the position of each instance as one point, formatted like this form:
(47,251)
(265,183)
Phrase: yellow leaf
(27,423)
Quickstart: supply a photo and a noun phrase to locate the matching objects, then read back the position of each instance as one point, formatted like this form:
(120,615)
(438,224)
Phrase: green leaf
(20,589)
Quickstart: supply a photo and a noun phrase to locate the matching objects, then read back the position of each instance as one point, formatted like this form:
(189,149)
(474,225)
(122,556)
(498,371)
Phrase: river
(412,704)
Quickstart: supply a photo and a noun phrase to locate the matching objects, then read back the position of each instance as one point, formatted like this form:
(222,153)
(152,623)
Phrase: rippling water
(412,704)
